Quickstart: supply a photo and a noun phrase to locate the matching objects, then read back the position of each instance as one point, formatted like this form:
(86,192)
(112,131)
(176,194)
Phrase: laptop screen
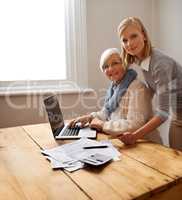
(55,115)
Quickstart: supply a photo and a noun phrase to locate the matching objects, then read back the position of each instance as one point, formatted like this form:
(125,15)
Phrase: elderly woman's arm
(84,119)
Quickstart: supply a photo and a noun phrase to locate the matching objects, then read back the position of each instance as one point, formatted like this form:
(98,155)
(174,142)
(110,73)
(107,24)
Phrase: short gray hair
(106,54)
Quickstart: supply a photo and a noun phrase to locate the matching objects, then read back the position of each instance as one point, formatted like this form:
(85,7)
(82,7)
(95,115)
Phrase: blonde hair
(127,58)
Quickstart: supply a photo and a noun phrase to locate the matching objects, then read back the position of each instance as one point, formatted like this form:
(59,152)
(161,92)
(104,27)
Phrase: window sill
(20,91)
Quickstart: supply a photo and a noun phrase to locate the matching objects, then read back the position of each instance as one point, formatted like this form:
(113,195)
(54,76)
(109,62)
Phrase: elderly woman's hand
(97,124)
(83,120)
(128,138)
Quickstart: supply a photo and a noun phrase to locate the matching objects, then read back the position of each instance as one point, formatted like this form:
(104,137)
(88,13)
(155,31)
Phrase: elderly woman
(127,104)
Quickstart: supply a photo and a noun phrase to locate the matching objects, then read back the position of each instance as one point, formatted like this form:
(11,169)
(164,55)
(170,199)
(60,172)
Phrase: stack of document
(71,156)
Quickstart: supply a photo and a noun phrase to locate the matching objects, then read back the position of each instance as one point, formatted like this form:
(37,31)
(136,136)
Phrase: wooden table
(145,171)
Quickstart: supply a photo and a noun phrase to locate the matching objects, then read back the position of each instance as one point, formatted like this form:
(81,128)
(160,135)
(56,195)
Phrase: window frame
(76,42)
(76,57)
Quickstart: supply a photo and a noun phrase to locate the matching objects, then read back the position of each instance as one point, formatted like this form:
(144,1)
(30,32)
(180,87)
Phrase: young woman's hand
(97,124)
(128,138)
(83,120)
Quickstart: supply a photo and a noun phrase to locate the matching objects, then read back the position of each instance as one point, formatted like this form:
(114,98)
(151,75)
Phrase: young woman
(163,76)
(128,101)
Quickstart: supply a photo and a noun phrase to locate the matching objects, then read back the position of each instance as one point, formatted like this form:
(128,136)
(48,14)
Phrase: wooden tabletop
(145,171)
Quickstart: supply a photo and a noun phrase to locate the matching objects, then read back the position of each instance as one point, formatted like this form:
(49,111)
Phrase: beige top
(134,110)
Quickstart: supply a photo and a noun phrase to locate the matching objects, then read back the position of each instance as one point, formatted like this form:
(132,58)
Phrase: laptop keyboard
(71,131)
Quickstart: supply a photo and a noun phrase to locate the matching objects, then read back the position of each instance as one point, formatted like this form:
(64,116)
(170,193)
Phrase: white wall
(28,109)
(167,27)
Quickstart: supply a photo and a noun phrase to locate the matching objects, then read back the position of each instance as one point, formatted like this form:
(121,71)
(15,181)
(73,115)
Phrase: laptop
(59,129)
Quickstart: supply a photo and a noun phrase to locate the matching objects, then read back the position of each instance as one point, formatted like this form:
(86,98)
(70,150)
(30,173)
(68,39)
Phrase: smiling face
(133,41)
(113,68)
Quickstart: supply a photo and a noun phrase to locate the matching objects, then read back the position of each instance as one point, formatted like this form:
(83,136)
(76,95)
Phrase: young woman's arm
(131,137)
(151,125)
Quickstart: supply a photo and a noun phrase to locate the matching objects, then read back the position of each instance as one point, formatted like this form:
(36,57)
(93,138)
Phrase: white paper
(55,164)
(68,156)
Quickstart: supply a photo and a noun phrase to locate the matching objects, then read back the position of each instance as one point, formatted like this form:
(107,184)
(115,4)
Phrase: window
(43,43)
